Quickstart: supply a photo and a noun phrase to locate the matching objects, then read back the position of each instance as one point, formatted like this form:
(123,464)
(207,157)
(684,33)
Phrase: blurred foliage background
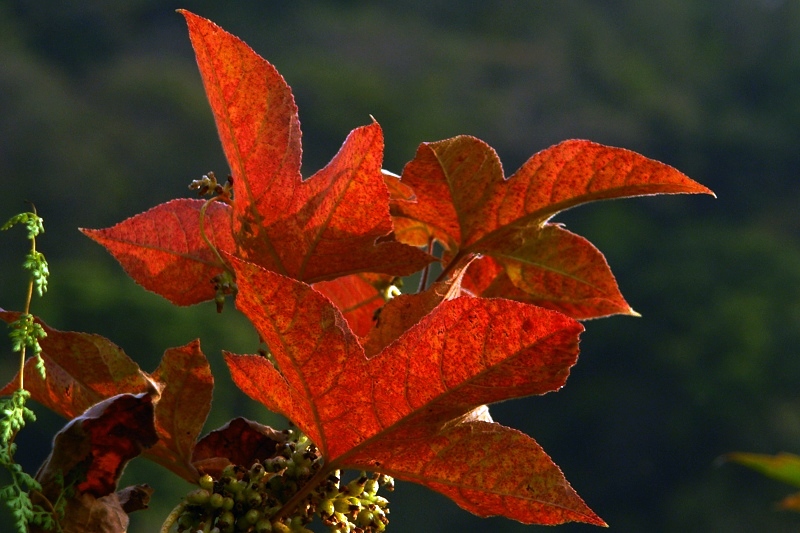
(102,115)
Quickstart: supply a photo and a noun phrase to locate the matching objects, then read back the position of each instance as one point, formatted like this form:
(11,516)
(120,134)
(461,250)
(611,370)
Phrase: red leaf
(82,370)
(486,468)
(421,387)
(91,452)
(95,447)
(183,407)
(402,312)
(358,296)
(163,251)
(559,270)
(322,365)
(463,200)
(333,224)
(239,442)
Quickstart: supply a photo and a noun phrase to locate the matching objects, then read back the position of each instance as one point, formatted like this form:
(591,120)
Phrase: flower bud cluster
(249,500)
(355,507)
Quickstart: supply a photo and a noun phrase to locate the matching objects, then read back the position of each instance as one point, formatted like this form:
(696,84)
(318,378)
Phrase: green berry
(198,497)
(227,503)
(252,497)
(326,508)
(216,500)
(226,519)
(264,526)
(365,518)
(207,482)
(371,487)
(252,516)
(341,505)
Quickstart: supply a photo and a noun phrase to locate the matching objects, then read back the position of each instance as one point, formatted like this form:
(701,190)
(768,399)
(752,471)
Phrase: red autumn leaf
(358,296)
(419,391)
(554,268)
(85,369)
(162,249)
(82,370)
(463,200)
(401,313)
(486,468)
(183,407)
(336,222)
(91,452)
(239,442)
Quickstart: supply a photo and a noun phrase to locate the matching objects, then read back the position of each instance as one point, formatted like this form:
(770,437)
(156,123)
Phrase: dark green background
(102,115)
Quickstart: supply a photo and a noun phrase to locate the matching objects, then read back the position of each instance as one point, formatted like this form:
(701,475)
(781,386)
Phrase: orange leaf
(183,407)
(463,200)
(333,224)
(358,296)
(418,393)
(486,468)
(557,269)
(82,370)
(163,251)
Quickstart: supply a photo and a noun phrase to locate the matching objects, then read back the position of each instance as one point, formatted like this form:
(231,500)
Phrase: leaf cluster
(381,382)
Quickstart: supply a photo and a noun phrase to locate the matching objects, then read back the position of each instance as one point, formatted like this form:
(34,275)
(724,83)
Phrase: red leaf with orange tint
(398,387)
(333,224)
(84,370)
(239,442)
(486,468)
(183,407)
(92,451)
(358,296)
(463,200)
(162,249)
(423,386)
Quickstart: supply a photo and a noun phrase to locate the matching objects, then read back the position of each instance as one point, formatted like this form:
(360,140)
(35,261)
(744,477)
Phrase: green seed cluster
(355,507)
(249,500)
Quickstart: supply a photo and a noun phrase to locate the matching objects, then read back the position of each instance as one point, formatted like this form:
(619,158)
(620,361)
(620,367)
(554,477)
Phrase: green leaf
(783,466)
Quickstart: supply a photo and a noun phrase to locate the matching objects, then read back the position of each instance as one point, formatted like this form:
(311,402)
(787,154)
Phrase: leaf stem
(203,232)
(26,312)
(315,481)
(423,280)
(453,264)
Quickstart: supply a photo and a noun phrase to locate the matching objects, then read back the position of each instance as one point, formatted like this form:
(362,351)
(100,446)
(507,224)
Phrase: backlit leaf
(162,249)
(336,222)
(463,200)
(418,393)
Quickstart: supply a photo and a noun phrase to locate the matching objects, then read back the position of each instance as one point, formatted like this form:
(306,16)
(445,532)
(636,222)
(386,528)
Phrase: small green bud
(326,508)
(216,500)
(226,520)
(207,482)
(341,505)
(252,516)
(227,503)
(252,497)
(365,518)
(198,497)
(380,501)
(264,526)
(371,487)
